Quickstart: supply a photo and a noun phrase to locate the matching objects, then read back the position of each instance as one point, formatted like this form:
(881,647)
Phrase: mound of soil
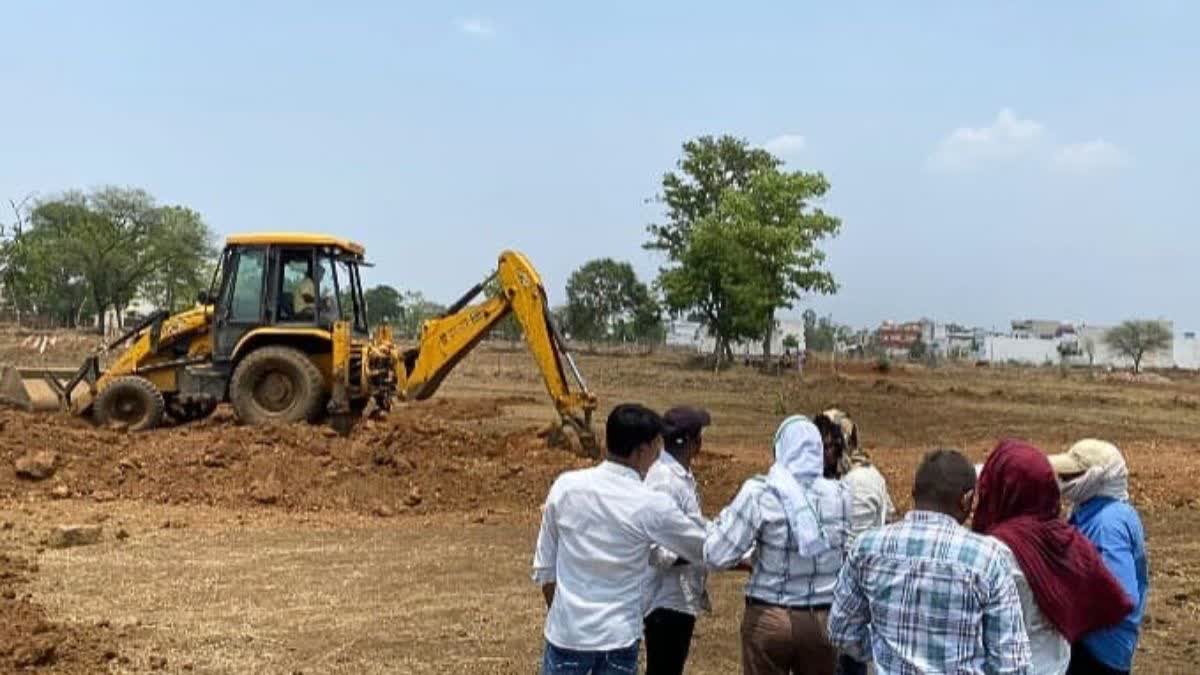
(28,641)
(419,459)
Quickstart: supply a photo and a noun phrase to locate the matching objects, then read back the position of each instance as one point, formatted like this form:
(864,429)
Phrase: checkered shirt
(755,522)
(927,596)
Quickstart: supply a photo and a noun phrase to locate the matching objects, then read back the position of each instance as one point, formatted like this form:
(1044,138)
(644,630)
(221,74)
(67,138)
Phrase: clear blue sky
(989,160)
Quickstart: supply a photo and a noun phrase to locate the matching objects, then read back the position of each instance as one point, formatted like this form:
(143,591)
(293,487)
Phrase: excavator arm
(445,340)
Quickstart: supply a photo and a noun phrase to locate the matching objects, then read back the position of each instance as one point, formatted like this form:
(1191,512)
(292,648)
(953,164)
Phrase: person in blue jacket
(1095,481)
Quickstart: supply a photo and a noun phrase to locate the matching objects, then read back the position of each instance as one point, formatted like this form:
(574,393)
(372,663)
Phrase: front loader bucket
(12,389)
(47,388)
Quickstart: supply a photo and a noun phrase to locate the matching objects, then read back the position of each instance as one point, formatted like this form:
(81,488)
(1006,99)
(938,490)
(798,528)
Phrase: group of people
(836,580)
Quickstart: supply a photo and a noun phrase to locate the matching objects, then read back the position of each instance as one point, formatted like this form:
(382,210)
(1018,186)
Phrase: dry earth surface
(405,548)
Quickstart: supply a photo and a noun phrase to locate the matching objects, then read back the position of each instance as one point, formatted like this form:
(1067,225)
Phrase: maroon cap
(684,422)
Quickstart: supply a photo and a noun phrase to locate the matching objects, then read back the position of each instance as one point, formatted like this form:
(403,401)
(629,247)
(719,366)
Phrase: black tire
(131,402)
(276,385)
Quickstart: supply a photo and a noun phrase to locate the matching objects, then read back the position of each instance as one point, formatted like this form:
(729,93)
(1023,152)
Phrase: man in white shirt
(593,550)
(676,592)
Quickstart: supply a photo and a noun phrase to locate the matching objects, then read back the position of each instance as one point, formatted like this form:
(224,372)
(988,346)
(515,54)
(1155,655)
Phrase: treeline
(77,257)
(740,237)
(605,303)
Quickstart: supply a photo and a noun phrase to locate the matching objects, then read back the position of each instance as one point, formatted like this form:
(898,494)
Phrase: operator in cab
(304,296)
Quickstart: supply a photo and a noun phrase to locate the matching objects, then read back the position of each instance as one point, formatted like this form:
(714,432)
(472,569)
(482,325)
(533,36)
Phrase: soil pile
(28,641)
(421,458)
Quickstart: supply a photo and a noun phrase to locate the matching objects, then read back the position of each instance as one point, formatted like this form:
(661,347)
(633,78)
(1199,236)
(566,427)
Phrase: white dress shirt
(676,587)
(598,526)
(871,505)
(1051,651)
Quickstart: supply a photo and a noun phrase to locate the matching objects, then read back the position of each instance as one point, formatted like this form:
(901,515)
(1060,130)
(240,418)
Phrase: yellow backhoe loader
(282,335)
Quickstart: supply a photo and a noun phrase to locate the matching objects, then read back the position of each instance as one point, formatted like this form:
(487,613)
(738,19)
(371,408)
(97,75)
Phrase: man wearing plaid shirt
(927,596)
(796,523)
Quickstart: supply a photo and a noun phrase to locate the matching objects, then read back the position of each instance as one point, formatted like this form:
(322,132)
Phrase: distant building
(692,335)
(898,338)
(960,342)
(1187,352)
(1036,329)
(1036,342)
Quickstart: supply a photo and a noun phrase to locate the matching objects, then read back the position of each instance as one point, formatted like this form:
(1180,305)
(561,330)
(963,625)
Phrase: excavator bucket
(12,389)
(574,436)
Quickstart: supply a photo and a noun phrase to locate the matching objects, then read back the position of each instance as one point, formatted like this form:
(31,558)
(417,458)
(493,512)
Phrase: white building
(1187,351)
(691,335)
(1079,345)
(949,339)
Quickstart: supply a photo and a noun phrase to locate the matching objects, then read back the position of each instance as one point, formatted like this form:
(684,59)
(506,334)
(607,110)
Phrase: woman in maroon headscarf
(1065,589)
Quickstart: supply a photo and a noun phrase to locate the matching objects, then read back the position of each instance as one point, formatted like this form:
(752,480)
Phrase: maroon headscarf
(1019,505)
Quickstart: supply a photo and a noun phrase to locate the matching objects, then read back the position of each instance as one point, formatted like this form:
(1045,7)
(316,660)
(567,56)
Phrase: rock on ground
(66,536)
(36,465)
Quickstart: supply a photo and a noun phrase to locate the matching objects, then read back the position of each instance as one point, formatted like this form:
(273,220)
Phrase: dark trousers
(668,637)
(1083,663)
(848,666)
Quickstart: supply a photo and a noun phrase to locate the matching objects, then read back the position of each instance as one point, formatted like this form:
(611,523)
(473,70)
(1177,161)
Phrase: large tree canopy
(187,255)
(606,301)
(741,238)
(101,250)
(385,304)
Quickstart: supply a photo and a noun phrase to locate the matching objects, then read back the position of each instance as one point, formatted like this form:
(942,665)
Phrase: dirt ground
(406,547)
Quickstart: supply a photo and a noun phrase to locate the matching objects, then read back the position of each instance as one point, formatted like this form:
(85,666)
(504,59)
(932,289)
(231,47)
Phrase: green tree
(716,281)
(416,310)
(187,251)
(822,334)
(94,252)
(740,238)
(384,305)
(1134,339)
(605,301)
(708,168)
(40,274)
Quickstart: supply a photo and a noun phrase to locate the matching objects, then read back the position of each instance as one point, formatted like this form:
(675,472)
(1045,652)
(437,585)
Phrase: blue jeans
(558,661)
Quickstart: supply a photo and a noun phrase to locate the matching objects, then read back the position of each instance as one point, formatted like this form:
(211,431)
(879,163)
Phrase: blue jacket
(1114,527)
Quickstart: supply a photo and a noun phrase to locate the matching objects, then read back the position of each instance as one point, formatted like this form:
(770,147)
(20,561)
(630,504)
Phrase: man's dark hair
(943,477)
(674,440)
(831,434)
(630,425)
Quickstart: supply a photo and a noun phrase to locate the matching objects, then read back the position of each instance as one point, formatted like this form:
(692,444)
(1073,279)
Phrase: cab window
(327,290)
(350,300)
(246,286)
(297,289)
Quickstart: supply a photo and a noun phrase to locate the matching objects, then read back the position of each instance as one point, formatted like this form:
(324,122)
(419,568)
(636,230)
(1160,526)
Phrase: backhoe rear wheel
(131,402)
(276,385)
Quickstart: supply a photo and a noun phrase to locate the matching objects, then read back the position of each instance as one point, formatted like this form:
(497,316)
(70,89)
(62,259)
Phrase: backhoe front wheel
(130,402)
(276,385)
